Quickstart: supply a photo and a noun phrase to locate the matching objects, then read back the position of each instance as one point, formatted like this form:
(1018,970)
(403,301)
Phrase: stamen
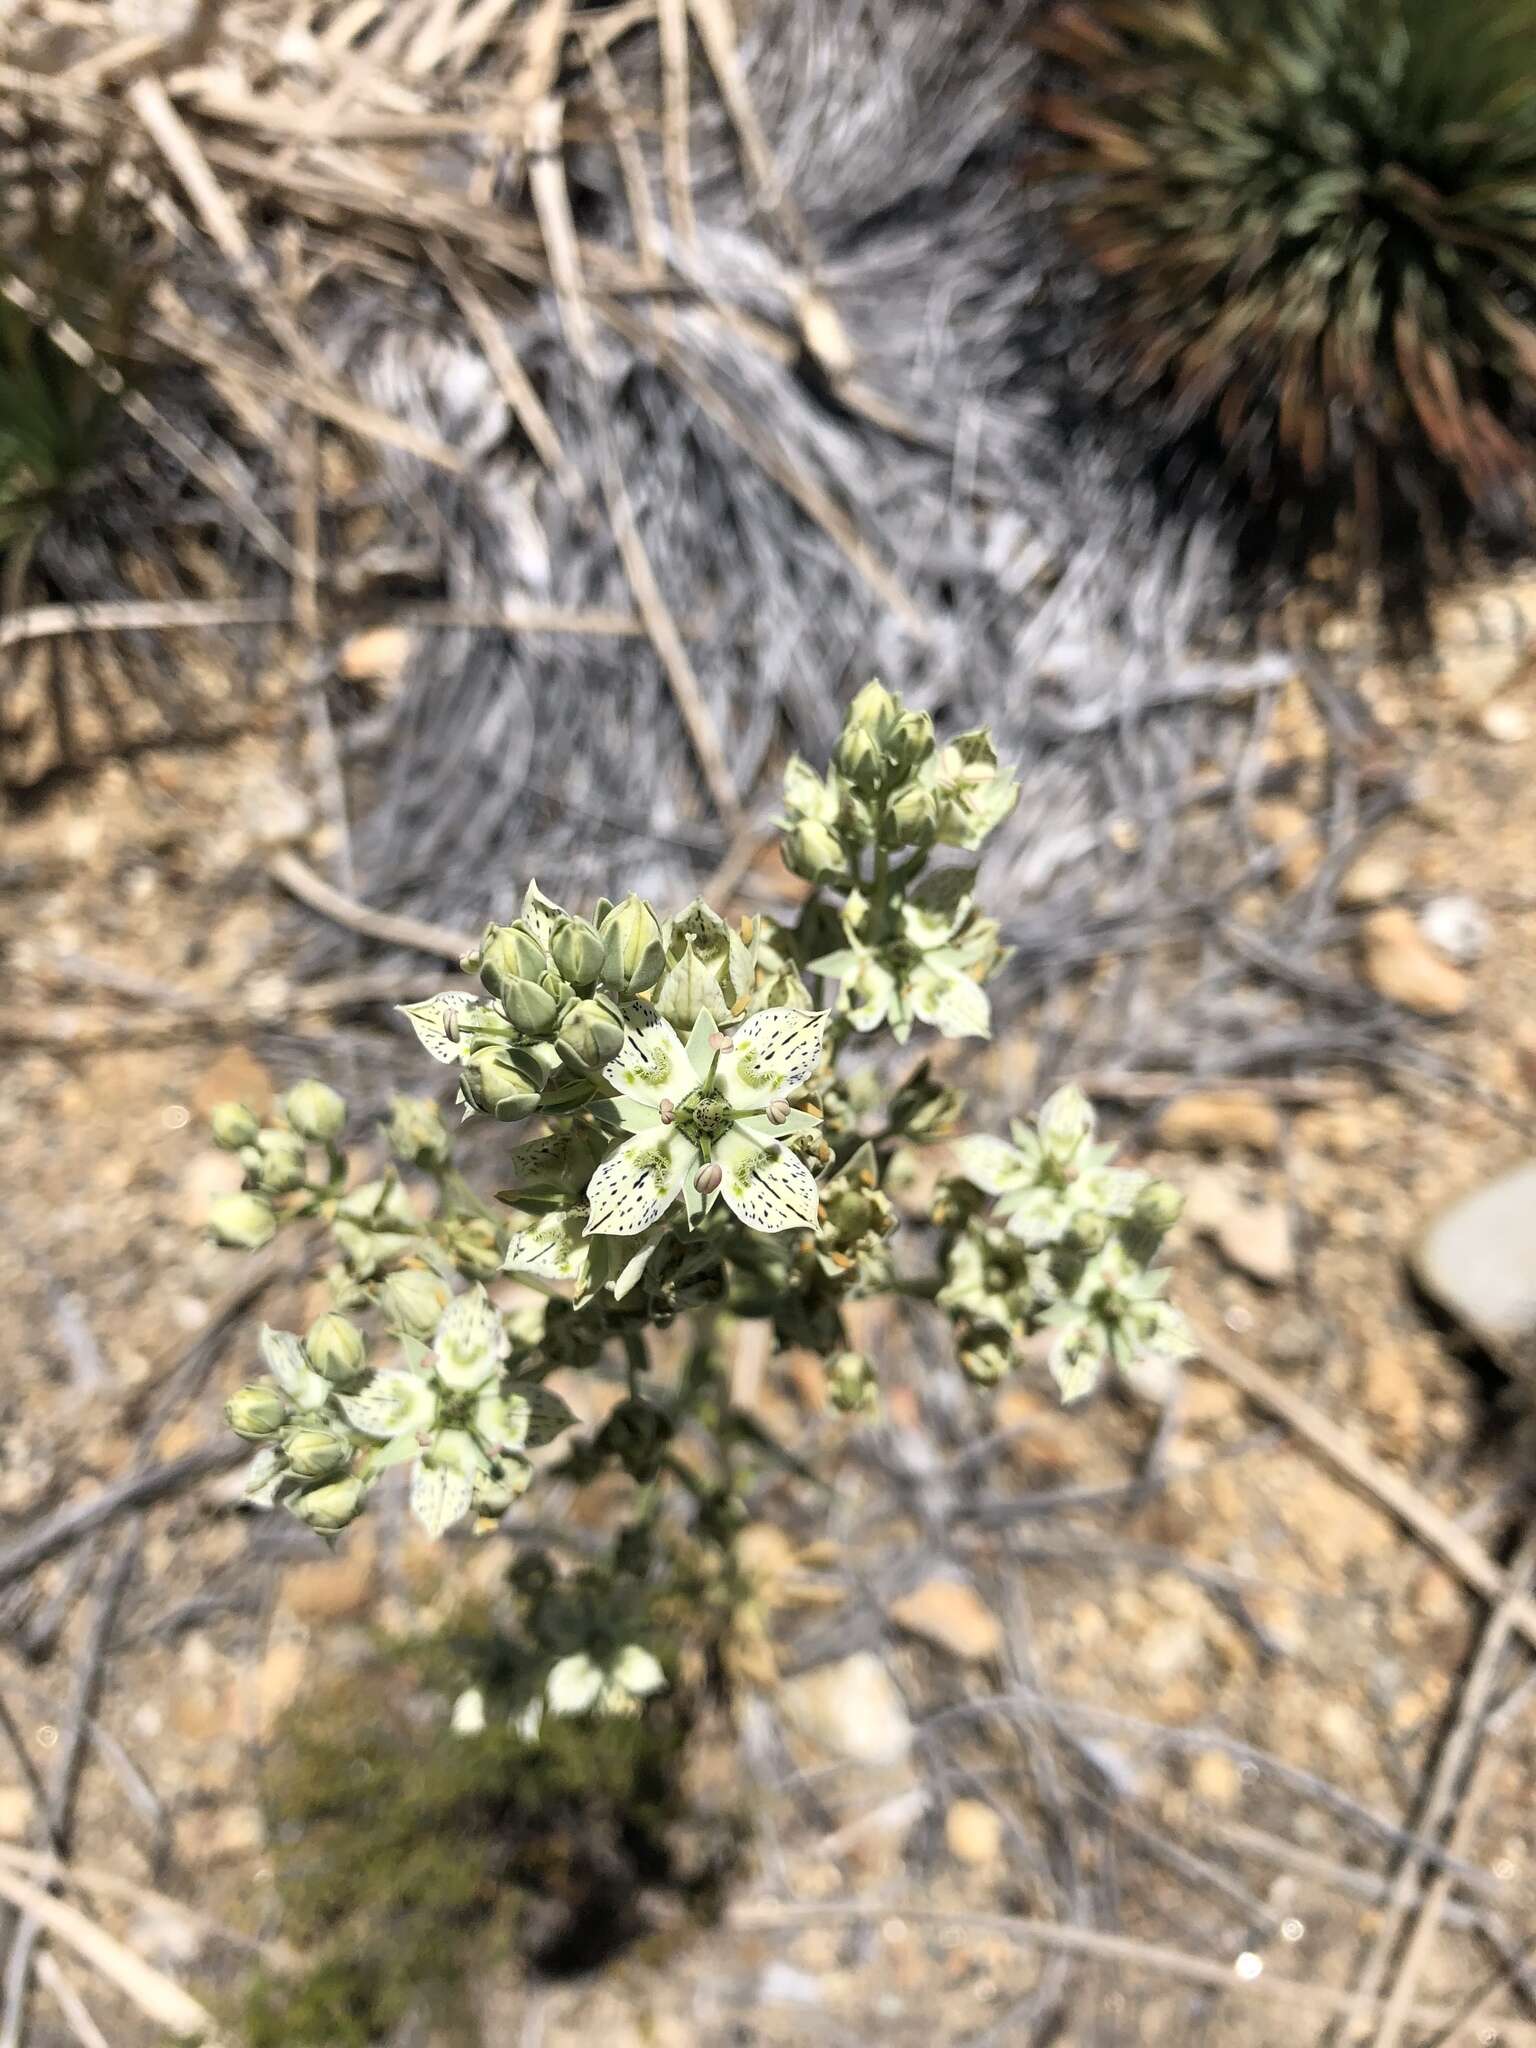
(708,1178)
(778,1112)
(666,1109)
(718,1042)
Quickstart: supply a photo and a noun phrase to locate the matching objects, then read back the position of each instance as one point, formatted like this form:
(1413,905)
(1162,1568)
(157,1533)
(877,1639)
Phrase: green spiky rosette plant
(688,1142)
(1318,219)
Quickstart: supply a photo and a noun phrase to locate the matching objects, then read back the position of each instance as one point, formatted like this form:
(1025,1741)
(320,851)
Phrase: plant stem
(636,1360)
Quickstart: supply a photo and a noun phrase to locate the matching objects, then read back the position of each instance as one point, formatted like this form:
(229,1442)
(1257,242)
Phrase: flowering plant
(700,1148)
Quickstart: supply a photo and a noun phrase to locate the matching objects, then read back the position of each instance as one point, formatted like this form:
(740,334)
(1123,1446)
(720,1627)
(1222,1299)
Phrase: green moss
(408,1856)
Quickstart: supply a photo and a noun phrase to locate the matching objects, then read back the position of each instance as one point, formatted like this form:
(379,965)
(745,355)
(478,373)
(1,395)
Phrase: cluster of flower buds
(1066,1245)
(279,1158)
(453,1406)
(914,947)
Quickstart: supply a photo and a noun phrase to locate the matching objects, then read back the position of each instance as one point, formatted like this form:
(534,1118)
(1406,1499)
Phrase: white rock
(1458,927)
(850,1708)
(1478,1259)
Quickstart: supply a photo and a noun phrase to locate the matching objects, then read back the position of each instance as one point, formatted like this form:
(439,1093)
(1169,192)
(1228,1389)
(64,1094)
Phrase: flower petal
(554,1248)
(573,1685)
(392,1404)
(651,1065)
(637,1671)
(775,1051)
(284,1357)
(954,1004)
(638,1182)
(765,1185)
(993,1165)
(436,1022)
(440,1496)
(470,1341)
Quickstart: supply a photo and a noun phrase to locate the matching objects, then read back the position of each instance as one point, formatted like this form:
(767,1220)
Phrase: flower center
(706,1114)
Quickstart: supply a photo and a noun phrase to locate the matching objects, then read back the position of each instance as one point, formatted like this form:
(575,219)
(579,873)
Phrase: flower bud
(986,1361)
(1158,1206)
(416,1131)
(493,1085)
(256,1413)
(529,1005)
(508,954)
(911,740)
(277,1162)
(874,710)
(912,819)
(814,852)
(858,760)
(233,1125)
(329,1508)
(316,1112)
(590,1036)
(317,1453)
(412,1301)
(578,952)
(335,1348)
(633,954)
(243,1222)
(851,1384)
(1065,1122)
(474,1247)
(1087,1231)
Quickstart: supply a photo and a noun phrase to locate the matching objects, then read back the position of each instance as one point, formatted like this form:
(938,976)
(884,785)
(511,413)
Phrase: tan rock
(1374,878)
(1401,964)
(221,1836)
(1289,828)
(264,1695)
(850,1709)
(1219,1118)
(1391,1392)
(1215,1778)
(950,1614)
(235,1076)
(1256,1238)
(331,1588)
(973,1832)
(377,656)
(15,1812)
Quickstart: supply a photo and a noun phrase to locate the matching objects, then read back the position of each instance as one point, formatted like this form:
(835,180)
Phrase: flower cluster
(695,1145)
(914,948)
(1066,1246)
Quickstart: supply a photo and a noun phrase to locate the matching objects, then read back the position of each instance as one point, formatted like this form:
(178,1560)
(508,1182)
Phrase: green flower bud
(858,760)
(492,1084)
(416,1131)
(317,1453)
(814,852)
(851,1384)
(242,1222)
(911,740)
(1087,1231)
(1158,1206)
(509,954)
(578,952)
(277,1162)
(256,1413)
(1066,1122)
(590,1036)
(336,1349)
(233,1125)
(474,1246)
(874,710)
(329,1508)
(633,954)
(316,1112)
(345,1290)
(529,1005)
(855,819)
(412,1301)
(985,1360)
(912,819)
